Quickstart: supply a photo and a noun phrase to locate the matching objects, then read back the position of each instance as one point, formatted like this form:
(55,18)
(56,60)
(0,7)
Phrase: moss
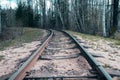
(29,35)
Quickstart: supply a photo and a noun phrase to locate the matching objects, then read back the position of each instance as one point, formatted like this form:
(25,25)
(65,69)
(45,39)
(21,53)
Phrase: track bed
(60,57)
(63,60)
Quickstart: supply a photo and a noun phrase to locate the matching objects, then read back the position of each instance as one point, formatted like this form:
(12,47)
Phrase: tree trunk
(115,15)
(0,22)
(44,14)
(103,19)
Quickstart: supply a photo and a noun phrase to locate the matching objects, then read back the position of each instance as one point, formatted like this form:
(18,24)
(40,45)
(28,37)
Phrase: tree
(24,14)
(98,17)
(115,15)
(0,21)
(104,18)
(44,13)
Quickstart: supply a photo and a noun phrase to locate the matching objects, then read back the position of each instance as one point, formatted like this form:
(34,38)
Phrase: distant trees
(24,15)
(61,13)
(98,17)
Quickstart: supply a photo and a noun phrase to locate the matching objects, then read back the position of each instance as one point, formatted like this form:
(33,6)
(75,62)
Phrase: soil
(109,52)
(14,57)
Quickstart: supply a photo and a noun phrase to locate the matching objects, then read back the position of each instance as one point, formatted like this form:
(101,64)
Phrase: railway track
(61,57)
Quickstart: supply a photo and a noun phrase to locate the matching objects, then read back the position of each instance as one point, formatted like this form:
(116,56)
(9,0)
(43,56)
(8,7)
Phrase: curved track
(63,59)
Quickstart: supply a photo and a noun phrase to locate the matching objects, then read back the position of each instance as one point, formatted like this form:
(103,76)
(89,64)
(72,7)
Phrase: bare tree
(44,13)
(86,16)
(0,21)
(115,15)
(104,18)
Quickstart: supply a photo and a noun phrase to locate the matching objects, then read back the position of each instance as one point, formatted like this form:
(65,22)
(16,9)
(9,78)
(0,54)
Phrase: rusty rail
(22,71)
(91,60)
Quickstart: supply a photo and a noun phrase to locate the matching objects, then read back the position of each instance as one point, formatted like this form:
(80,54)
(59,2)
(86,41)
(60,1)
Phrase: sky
(8,3)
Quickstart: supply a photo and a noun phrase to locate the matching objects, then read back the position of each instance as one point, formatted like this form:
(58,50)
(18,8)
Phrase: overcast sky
(6,3)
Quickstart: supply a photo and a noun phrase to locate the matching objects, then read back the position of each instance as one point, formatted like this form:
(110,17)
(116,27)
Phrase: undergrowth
(29,35)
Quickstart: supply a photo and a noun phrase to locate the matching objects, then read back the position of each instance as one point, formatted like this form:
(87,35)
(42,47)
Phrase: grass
(95,38)
(29,35)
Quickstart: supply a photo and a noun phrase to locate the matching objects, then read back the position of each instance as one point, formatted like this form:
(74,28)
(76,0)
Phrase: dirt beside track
(14,57)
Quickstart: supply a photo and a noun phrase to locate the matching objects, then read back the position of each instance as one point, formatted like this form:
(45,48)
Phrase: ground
(12,56)
(61,58)
(107,49)
(12,50)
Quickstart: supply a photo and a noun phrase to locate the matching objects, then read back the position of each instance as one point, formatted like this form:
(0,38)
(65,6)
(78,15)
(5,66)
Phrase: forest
(96,17)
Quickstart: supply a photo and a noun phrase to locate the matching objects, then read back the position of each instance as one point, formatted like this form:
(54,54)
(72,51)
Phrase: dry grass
(96,38)
(29,34)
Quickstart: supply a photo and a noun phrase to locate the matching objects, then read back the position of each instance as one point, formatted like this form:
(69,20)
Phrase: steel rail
(22,71)
(91,60)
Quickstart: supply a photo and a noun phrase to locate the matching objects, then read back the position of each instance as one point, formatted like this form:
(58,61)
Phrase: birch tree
(103,19)
(98,17)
